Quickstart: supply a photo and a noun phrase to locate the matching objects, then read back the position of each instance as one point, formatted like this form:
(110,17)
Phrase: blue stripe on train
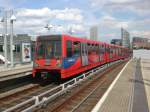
(67,62)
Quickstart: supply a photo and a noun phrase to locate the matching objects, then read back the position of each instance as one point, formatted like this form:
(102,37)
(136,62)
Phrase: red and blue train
(64,56)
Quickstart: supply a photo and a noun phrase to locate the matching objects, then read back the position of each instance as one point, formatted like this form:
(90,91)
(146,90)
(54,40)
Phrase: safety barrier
(51,94)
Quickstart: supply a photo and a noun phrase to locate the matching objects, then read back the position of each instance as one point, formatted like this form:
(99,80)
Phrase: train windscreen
(48,48)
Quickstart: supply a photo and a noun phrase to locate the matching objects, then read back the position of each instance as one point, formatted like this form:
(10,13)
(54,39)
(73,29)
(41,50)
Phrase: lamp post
(5,38)
(4,21)
(48,27)
(71,31)
(12,19)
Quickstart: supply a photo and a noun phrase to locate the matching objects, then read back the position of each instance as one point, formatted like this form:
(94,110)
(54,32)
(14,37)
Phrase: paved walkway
(145,63)
(18,66)
(128,93)
(14,72)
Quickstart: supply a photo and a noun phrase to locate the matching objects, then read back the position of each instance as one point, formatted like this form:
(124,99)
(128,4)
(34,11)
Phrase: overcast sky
(109,15)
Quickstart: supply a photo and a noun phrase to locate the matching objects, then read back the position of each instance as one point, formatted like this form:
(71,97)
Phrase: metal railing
(51,94)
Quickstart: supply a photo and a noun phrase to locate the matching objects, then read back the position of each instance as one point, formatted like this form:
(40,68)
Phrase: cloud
(34,20)
(120,1)
(43,12)
(77,27)
(145,34)
(102,3)
(65,14)
(112,23)
(132,15)
(109,15)
(140,7)
(135,27)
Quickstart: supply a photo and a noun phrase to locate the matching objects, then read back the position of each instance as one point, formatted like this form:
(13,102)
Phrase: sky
(79,15)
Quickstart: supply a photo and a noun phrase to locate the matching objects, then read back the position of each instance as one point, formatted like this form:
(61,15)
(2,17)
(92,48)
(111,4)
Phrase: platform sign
(26,52)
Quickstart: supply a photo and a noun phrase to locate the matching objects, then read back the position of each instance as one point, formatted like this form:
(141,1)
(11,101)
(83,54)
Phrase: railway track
(74,92)
(83,99)
(8,85)
(24,93)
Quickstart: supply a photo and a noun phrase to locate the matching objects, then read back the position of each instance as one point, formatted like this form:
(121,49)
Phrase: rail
(51,94)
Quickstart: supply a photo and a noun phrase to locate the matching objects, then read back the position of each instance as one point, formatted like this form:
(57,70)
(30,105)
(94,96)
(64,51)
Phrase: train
(64,56)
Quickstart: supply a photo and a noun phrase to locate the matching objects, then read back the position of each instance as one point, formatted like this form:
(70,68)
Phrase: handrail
(63,89)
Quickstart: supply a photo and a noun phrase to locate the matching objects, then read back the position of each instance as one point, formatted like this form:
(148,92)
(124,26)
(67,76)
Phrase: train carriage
(64,56)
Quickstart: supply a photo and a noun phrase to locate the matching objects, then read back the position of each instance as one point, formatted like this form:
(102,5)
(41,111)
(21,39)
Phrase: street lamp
(4,20)
(49,27)
(12,19)
(71,31)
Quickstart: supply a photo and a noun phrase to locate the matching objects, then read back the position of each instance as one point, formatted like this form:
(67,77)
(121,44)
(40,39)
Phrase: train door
(110,53)
(107,53)
(115,53)
(101,52)
(84,54)
(97,52)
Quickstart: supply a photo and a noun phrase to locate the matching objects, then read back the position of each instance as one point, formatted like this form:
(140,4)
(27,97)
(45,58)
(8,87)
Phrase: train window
(83,48)
(69,49)
(115,50)
(53,49)
(86,48)
(111,50)
(76,46)
(102,49)
(120,52)
(93,47)
(89,47)
(49,49)
(41,50)
(107,48)
(97,49)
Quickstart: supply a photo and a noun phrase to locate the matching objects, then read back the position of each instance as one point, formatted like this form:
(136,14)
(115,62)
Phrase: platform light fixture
(12,19)
(49,26)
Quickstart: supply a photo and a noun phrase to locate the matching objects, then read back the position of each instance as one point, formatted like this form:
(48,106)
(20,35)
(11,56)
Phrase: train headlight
(58,63)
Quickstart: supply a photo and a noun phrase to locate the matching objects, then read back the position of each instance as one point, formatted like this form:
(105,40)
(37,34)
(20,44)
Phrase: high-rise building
(116,41)
(94,33)
(125,38)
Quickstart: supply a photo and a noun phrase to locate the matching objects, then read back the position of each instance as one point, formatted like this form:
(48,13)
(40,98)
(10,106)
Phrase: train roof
(70,37)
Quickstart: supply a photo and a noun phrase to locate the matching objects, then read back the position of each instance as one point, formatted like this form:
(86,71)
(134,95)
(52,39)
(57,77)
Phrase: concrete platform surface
(13,72)
(145,63)
(130,91)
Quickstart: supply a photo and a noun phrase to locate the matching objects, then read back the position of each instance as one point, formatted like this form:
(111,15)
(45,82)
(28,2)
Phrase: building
(140,43)
(125,36)
(17,40)
(94,33)
(116,41)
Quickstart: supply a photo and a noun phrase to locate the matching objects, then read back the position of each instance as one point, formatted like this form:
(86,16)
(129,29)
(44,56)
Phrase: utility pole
(5,38)
(11,43)
(12,19)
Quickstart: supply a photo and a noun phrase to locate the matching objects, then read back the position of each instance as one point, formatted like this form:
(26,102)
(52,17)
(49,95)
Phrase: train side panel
(78,55)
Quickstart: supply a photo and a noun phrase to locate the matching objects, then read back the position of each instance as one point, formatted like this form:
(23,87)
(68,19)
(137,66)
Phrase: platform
(15,72)
(130,91)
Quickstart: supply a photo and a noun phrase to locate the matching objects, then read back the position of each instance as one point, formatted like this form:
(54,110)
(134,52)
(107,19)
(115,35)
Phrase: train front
(47,57)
